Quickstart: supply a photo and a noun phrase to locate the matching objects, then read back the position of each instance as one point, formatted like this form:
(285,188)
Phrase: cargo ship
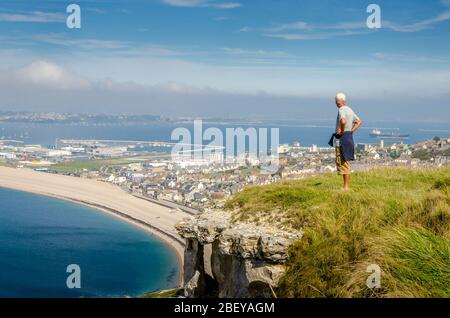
(379,134)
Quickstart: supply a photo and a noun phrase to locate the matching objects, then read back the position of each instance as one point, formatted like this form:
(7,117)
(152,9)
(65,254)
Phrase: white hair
(341,96)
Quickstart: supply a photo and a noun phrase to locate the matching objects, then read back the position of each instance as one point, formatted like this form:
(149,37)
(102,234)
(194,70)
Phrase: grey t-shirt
(347,113)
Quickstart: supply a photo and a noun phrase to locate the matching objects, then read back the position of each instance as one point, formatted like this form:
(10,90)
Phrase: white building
(58,153)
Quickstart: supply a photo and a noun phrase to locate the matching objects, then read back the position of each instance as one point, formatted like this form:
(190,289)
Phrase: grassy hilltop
(398,219)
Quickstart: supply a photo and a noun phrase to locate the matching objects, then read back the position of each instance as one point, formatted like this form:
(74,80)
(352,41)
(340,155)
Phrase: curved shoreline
(168,239)
(157,220)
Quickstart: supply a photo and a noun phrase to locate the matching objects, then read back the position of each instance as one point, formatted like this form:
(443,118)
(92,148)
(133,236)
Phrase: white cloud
(300,25)
(35,16)
(59,39)
(244,29)
(185,3)
(302,30)
(256,53)
(43,73)
(312,36)
(226,5)
(405,58)
(418,26)
(96,10)
(108,47)
(170,86)
(202,3)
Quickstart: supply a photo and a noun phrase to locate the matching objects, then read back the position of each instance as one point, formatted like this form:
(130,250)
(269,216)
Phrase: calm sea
(307,133)
(41,236)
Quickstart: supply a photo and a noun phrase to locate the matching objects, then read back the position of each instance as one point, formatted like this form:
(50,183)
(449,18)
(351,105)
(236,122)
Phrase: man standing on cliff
(347,123)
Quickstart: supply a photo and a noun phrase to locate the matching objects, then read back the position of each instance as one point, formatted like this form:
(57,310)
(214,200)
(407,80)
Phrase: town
(147,169)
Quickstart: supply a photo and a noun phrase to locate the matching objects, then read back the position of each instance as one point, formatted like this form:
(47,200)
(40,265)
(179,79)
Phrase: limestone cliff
(226,259)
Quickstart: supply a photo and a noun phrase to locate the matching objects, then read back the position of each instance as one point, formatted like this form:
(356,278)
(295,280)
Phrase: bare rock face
(191,287)
(240,260)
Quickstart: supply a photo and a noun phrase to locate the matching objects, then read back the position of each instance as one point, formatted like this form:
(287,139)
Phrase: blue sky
(259,58)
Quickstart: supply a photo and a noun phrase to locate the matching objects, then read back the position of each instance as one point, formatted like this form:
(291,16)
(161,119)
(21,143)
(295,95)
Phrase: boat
(379,134)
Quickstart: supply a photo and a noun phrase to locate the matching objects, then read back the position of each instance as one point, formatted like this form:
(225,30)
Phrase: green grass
(171,293)
(79,166)
(396,218)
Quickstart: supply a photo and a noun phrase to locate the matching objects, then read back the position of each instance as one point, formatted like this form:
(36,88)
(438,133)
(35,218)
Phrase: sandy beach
(156,219)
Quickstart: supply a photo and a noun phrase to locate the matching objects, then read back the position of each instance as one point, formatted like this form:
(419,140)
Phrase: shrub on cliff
(398,219)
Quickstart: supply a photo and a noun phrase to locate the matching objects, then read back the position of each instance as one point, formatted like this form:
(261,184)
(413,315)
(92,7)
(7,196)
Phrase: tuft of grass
(442,184)
(398,219)
(415,263)
(171,293)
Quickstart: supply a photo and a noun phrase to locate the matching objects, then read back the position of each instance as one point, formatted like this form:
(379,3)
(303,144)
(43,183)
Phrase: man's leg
(343,168)
(346,182)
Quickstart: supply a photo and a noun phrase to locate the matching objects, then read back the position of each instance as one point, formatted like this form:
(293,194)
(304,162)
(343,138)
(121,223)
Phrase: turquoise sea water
(41,236)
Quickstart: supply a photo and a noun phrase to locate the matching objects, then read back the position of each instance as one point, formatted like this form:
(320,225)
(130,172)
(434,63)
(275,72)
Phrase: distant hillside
(398,219)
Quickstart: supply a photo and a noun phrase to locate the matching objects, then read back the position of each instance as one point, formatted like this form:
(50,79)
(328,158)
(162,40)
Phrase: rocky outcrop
(224,259)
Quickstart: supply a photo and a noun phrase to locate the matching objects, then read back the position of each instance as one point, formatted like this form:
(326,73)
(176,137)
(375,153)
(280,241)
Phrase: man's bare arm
(356,125)
(341,129)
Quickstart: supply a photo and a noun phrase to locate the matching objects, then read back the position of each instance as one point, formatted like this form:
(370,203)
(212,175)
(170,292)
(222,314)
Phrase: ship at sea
(379,134)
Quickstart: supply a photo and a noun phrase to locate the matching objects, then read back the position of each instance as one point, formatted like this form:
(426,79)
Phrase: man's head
(341,99)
